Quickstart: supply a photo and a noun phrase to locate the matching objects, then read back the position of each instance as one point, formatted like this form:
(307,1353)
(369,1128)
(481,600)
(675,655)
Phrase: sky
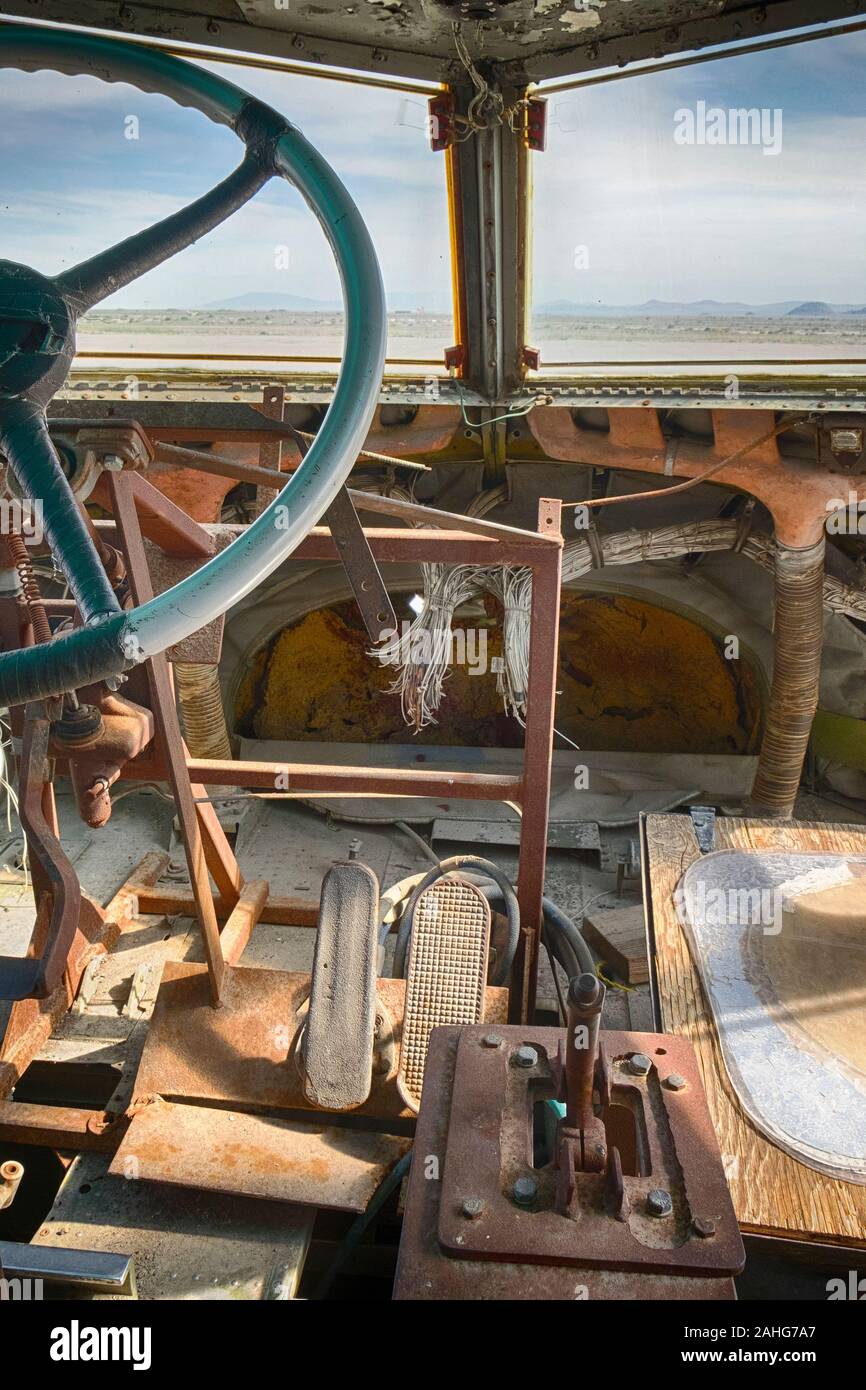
(623,213)
(662,220)
(72,183)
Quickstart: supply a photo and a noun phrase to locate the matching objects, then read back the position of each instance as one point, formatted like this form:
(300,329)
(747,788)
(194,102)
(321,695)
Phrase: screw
(491,1040)
(658,1202)
(113,463)
(704,1226)
(472,1208)
(675,1082)
(639,1064)
(525,1191)
(525,1057)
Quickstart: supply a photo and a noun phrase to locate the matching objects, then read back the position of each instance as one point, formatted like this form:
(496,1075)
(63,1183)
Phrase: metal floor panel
(252,1249)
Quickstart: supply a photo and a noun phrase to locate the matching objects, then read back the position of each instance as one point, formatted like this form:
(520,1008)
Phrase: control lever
(581,1140)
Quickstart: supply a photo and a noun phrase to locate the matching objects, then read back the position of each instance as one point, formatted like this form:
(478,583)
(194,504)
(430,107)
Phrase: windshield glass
(708,214)
(85,163)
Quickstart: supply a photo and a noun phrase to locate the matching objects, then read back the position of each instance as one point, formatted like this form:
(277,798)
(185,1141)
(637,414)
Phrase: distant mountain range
(698,308)
(265,302)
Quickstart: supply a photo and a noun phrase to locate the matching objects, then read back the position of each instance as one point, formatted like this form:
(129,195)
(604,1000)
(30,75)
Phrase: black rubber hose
(476,865)
(359,1227)
(558,928)
(555,921)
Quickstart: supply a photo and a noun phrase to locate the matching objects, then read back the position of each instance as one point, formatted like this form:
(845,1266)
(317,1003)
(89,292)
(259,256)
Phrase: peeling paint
(579,19)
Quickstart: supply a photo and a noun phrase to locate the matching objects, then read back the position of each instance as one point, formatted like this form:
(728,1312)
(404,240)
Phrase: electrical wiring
(701,477)
(359,1226)
(422,652)
(514,414)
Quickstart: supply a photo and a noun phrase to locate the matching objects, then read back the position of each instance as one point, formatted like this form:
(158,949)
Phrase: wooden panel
(618,937)
(773,1194)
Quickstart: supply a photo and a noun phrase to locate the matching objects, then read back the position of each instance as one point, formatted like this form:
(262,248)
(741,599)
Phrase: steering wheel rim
(109,644)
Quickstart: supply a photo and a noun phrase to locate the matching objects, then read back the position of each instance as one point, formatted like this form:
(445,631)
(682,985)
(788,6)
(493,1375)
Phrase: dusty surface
(561,337)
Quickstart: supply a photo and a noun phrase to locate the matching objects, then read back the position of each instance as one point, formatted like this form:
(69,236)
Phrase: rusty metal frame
(541,552)
(26,1026)
(38,974)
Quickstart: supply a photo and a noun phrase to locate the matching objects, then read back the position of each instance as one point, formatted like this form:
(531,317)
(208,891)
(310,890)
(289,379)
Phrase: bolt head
(491,1040)
(639,1064)
(675,1082)
(704,1226)
(526,1057)
(525,1191)
(472,1208)
(658,1202)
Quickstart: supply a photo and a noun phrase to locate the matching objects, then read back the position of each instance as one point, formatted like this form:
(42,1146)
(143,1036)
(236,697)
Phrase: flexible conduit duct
(201,709)
(111,645)
(793,699)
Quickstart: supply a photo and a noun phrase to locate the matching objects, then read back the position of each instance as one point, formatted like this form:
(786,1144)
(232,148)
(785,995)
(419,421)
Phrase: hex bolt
(639,1064)
(525,1191)
(525,1057)
(491,1040)
(675,1082)
(658,1202)
(704,1226)
(472,1208)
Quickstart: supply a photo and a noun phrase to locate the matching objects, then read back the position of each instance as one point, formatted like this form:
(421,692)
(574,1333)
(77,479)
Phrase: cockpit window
(85,163)
(710,215)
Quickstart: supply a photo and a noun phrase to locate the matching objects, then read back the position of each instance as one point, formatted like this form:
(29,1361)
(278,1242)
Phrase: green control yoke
(38,318)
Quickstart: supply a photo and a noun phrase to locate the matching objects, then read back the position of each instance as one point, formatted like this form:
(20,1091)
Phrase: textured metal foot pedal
(338,1040)
(445,975)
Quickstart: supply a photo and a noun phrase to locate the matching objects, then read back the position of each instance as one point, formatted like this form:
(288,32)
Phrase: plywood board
(773,1193)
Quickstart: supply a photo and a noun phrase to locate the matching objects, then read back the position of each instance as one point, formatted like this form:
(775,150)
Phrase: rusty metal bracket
(362,572)
(474,1202)
(37,975)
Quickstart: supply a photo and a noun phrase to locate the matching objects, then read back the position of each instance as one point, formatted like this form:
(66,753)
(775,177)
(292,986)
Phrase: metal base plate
(426,1271)
(256,1156)
(489,1149)
(243,1053)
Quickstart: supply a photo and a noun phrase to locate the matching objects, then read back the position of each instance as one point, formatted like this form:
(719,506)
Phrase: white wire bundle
(838,596)
(668,542)
(661,543)
(10,793)
(9,790)
(513,588)
(423,650)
